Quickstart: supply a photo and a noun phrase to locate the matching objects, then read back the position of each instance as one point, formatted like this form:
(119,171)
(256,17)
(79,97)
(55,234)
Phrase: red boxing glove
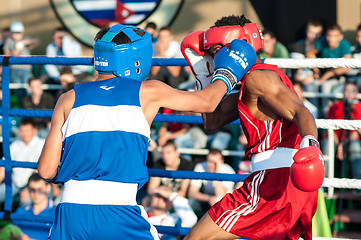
(308,170)
(201,63)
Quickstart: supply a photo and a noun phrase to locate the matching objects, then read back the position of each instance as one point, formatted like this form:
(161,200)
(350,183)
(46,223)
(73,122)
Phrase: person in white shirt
(209,192)
(63,45)
(26,149)
(167,47)
(162,200)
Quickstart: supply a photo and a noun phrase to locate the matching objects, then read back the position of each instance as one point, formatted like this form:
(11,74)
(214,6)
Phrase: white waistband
(98,192)
(271,159)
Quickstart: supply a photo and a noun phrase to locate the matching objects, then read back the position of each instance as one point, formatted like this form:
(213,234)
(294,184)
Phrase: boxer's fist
(233,62)
(308,171)
(200,62)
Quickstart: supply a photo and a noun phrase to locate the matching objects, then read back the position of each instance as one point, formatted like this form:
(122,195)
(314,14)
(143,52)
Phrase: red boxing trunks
(267,206)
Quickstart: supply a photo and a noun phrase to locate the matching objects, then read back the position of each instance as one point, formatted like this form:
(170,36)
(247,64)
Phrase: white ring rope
(325,238)
(315,62)
(342,183)
(338,124)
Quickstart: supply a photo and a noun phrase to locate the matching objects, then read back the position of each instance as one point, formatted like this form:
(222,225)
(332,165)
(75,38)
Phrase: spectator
(170,131)
(38,99)
(218,139)
(184,135)
(330,46)
(167,47)
(348,108)
(12,232)
(207,192)
(151,27)
(298,86)
(26,149)
(298,50)
(314,29)
(5,34)
(163,199)
(41,205)
(63,45)
(19,45)
(67,80)
(171,161)
(272,47)
(355,73)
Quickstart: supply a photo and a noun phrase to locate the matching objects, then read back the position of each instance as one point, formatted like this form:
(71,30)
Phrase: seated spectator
(171,161)
(66,79)
(19,45)
(207,192)
(299,88)
(26,149)
(298,50)
(162,200)
(151,28)
(63,45)
(314,29)
(170,131)
(347,108)
(167,47)
(5,34)
(272,47)
(333,45)
(218,139)
(354,74)
(184,135)
(12,232)
(41,205)
(38,99)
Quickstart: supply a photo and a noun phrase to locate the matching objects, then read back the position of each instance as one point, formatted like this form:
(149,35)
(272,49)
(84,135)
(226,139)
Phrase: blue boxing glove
(233,62)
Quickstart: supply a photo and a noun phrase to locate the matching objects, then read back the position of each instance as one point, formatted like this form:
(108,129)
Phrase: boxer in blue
(100,131)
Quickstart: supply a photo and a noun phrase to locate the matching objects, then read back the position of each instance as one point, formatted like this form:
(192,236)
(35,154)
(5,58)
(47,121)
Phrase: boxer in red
(279,198)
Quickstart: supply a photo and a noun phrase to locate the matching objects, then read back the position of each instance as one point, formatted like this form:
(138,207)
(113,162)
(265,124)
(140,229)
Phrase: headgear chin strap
(129,60)
(226,34)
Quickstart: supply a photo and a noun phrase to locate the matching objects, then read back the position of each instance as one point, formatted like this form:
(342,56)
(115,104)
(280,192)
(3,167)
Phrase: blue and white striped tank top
(106,134)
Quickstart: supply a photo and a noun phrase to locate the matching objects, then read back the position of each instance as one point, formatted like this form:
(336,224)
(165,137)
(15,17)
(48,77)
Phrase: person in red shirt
(348,108)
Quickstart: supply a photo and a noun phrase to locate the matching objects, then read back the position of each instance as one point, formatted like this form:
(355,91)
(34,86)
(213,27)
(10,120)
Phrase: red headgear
(226,34)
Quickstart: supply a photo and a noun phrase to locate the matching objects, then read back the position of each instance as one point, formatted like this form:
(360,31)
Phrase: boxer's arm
(225,113)
(275,95)
(51,153)
(155,94)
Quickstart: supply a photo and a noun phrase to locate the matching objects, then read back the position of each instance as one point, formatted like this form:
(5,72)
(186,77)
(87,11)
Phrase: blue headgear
(129,60)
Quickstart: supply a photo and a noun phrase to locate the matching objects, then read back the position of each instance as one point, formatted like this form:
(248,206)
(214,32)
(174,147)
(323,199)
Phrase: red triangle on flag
(121,12)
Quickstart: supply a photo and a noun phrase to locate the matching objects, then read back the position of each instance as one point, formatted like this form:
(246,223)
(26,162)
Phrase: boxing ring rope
(6,112)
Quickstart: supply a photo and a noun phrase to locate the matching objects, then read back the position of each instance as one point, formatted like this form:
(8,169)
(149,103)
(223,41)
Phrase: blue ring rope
(6,112)
(33,60)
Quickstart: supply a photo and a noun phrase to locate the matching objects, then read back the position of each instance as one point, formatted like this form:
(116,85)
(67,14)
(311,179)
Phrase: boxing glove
(308,171)
(233,62)
(201,62)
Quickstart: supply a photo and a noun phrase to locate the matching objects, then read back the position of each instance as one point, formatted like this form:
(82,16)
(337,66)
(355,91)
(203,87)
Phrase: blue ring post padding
(6,134)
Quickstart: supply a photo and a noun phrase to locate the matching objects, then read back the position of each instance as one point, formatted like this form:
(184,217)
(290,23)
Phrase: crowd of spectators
(172,202)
